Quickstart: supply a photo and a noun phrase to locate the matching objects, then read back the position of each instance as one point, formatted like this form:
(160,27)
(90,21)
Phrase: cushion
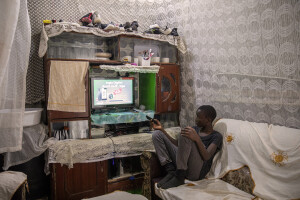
(205,189)
(119,195)
(241,179)
(10,182)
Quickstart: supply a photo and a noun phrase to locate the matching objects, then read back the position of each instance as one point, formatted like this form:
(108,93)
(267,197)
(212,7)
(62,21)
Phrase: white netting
(14,53)
(33,144)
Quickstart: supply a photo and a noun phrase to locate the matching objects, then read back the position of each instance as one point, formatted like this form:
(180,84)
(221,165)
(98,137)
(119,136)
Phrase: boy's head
(208,112)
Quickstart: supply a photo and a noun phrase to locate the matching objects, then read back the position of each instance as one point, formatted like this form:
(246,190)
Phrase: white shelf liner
(131,68)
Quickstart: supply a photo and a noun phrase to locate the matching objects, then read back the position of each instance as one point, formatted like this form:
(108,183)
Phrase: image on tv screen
(112,92)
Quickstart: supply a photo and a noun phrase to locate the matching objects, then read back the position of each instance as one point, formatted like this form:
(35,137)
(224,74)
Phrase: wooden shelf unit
(87,180)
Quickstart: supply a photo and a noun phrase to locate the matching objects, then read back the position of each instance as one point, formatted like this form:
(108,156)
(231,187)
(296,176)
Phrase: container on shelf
(32,116)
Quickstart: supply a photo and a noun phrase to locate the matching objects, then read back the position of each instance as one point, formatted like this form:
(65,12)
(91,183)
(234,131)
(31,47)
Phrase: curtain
(14,54)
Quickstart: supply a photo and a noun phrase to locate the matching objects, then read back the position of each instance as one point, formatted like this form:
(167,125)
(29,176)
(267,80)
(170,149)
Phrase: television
(112,93)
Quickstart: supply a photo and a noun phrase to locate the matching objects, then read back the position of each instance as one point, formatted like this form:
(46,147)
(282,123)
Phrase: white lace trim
(57,28)
(69,152)
(131,68)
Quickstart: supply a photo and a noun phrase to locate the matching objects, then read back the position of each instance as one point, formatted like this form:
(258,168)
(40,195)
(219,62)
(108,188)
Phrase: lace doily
(57,28)
(131,68)
(79,151)
(69,152)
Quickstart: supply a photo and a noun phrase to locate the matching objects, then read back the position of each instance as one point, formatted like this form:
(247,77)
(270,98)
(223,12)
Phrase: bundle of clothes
(94,20)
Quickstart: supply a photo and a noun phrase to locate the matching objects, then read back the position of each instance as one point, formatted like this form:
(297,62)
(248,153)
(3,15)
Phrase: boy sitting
(192,154)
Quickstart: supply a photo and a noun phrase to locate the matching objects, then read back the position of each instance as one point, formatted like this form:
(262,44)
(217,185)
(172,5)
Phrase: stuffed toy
(86,20)
(96,19)
(167,31)
(154,29)
(127,27)
(134,25)
(111,27)
(174,32)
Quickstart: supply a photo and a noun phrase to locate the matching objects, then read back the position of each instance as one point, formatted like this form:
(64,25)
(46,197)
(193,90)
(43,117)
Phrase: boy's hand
(189,132)
(157,125)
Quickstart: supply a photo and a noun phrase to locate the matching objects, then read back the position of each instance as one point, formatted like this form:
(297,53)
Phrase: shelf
(257,76)
(131,68)
(125,177)
(121,117)
(161,63)
(58,28)
(93,61)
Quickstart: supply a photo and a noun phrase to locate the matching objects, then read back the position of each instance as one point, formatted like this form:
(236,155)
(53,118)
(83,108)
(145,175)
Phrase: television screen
(112,92)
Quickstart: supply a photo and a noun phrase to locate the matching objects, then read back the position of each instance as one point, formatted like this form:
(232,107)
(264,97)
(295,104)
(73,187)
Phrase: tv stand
(113,110)
(121,117)
(123,129)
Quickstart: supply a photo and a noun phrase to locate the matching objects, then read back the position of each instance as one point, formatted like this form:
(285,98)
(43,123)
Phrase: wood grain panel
(171,103)
(84,180)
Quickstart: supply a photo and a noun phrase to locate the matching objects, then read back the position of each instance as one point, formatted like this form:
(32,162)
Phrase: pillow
(241,179)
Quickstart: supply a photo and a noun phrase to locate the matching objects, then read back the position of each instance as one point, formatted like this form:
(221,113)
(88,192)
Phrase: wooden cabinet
(167,88)
(84,180)
(161,91)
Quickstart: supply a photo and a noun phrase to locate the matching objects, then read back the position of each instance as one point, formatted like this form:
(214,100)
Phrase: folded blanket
(67,86)
(271,152)
(10,182)
(203,190)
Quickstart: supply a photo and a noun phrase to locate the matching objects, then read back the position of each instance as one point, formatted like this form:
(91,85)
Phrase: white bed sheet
(204,189)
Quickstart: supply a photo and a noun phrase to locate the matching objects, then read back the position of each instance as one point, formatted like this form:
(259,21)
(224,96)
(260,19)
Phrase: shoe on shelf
(154,26)
(174,32)
(167,31)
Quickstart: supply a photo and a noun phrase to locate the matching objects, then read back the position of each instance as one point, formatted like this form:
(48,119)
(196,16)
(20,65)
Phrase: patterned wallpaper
(243,55)
(245,58)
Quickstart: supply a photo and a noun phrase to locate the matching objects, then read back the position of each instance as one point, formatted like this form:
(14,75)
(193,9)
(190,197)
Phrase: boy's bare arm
(206,154)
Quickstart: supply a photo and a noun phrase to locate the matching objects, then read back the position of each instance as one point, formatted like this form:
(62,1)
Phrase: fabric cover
(131,68)
(204,189)
(10,182)
(67,86)
(69,152)
(119,195)
(271,152)
(34,144)
(80,151)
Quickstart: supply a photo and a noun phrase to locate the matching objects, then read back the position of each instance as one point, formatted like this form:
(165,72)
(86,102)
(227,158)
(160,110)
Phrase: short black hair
(209,111)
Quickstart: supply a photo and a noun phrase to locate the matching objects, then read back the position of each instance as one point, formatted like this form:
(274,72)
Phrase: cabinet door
(52,114)
(168,91)
(84,180)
